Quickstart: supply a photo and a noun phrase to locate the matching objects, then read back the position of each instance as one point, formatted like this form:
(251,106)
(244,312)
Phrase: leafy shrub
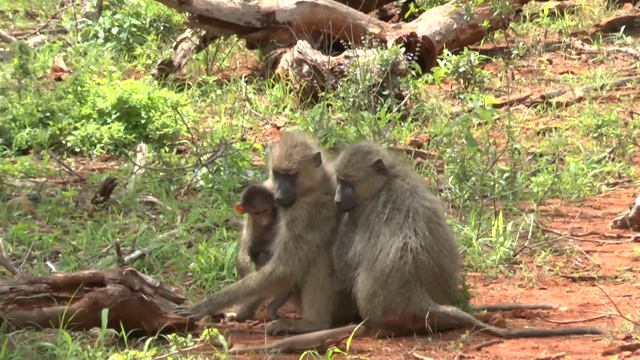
(126,25)
(92,117)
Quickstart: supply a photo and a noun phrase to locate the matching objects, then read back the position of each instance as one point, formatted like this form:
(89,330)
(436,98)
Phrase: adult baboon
(256,240)
(304,187)
(396,247)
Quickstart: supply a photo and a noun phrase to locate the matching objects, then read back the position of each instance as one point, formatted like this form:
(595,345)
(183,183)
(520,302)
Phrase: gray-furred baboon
(401,256)
(258,234)
(304,188)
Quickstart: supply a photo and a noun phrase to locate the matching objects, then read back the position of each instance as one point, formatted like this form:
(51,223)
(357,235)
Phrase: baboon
(255,243)
(401,256)
(304,187)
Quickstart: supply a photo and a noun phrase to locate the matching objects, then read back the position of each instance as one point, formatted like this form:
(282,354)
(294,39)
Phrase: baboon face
(358,180)
(288,179)
(258,202)
(262,214)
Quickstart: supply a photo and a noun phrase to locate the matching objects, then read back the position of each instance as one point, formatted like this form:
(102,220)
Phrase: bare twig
(624,347)
(179,351)
(50,266)
(590,49)
(578,236)
(26,258)
(616,306)
(559,355)
(420,357)
(587,277)
(153,200)
(66,167)
(215,156)
(3,252)
(129,259)
(5,263)
(46,23)
(7,38)
(577,320)
(119,257)
(484,345)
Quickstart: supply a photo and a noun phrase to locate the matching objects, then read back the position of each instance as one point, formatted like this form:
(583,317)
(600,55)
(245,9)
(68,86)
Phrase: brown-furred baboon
(258,234)
(401,255)
(304,188)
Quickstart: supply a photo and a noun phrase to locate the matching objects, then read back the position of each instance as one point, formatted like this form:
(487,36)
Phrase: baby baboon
(395,245)
(259,229)
(257,236)
(304,187)
(259,232)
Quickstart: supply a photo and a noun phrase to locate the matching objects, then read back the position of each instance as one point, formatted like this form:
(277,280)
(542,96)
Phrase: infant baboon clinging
(304,187)
(401,256)
(257,237)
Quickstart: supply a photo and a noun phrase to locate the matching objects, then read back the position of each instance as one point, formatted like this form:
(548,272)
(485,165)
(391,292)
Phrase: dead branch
(129,259)
(635,323)
(136,303)
(577,320)
(6,263)
(580,236)
(7,38)
(559,355)
(66,167)
(484,345)
(191,42)
(624,347)
(312,72)
(286,21)
(616,24)
(590,49)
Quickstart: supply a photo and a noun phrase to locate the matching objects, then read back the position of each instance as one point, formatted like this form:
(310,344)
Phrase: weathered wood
(290,20)
(188,43)
(312,72)
(136,303)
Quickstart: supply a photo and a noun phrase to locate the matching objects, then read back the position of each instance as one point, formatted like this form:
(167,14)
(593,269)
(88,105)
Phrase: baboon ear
(239,208)
(380,167)
(316,159)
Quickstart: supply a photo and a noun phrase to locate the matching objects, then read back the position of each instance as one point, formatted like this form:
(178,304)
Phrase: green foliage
(93,116)
(465,68)
(127,25)
(492,168)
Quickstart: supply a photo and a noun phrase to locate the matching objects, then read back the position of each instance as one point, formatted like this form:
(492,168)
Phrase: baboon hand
(196,312)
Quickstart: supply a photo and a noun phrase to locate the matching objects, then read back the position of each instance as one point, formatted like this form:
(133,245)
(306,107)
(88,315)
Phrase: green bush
(92,117)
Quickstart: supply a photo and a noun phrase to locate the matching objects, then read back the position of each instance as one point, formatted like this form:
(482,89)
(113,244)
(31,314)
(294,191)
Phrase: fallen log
(188,43)
(311,72)
(286,21)
(136,303)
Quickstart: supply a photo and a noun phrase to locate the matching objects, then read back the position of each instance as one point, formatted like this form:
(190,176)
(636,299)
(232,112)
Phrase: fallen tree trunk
(286,21)
(74,301)
(189,43)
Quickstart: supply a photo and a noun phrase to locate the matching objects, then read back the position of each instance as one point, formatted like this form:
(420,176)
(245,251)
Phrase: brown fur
(397,251)
(304,187)
(257,237)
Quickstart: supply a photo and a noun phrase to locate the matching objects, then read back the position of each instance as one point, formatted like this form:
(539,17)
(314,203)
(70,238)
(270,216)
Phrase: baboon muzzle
(285,196)
(345,198)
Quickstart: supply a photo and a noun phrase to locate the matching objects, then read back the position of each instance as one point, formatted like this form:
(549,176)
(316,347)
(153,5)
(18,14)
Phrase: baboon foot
(240,316)
(285,326)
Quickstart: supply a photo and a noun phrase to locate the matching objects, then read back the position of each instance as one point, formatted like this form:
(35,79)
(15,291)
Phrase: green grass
(492,168)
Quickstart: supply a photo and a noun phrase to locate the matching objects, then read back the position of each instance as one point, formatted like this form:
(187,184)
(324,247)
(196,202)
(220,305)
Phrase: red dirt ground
(531,284)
